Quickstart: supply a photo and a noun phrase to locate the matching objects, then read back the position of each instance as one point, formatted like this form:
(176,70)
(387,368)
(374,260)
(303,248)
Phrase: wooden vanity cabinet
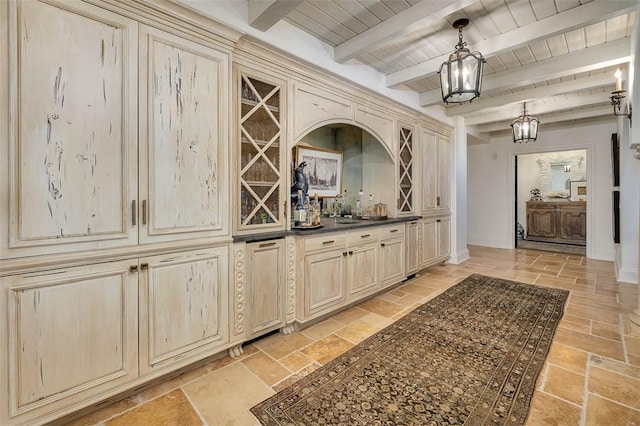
(557,222)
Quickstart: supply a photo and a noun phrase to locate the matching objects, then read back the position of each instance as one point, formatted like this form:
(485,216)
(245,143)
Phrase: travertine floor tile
(279,345)
(549,411)
(322,329)
(381,307)
(357,331)
(603,412)
(615,386)
(598,345)
(565,384)
(568,358)
(225,396)
(268,370)
(615,366)
(170,409)
(326,349)
(349,315)
(296,361)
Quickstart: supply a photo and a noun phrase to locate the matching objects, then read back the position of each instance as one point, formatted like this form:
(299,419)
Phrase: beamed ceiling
(559,56)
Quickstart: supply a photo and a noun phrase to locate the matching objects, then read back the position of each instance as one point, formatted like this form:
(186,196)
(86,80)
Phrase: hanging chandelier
(525,127)
(461,75)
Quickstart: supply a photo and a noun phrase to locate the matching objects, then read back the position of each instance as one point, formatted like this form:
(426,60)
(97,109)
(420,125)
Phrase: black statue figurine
(301,182)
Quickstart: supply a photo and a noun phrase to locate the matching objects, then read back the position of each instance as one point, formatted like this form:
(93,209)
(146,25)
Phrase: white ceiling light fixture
(525,127)
(461,75)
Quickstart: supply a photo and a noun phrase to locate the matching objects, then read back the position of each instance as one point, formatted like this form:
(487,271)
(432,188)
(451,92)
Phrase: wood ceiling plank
(543,8)
(540,50)
(524,55)
(480,19)
(522,12)
(325,20)
(540,30)
(596,34)
(529,92)
(377,8)
(396,6)
(604,55)
(419,16)
(304,22)
(557,45)
(500,15)
(616,28)
(576,40)
(359,12)
(341,15)
(564,5)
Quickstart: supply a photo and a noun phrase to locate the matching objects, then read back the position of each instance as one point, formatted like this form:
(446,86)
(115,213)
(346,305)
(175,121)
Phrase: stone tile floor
(591,377)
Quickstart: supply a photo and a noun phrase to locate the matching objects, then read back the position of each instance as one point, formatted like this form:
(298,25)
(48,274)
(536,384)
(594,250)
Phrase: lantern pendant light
(525,127)
(461,75)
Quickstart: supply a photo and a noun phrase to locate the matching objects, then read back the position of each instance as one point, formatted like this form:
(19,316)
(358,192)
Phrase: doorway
(551,201)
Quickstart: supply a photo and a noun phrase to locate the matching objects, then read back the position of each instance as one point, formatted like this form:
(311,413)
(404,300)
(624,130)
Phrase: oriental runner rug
(471,355)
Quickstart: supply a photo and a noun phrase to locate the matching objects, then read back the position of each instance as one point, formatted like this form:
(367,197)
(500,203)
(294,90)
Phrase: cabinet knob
(133,268)
(344,253)
(144,266)
(350,253)
(382,244)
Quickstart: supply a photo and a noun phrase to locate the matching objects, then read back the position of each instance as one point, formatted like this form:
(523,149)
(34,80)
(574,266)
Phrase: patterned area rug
(471,356)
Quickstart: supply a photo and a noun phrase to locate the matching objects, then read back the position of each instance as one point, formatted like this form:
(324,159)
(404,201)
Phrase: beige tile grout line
(585,394)
(194,406)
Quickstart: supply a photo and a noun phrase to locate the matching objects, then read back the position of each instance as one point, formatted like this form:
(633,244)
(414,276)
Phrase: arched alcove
(366,164)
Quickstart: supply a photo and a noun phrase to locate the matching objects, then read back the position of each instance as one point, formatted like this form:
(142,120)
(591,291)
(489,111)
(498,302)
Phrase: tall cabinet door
(183,307)
(260,153)
(72,139)
(266,286)
(72,333)
(183,138)
(429,172)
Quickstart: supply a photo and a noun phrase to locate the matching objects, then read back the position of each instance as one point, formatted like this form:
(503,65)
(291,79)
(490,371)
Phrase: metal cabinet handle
(438,220)
(134,213)
(144,266)
(273,243)
(344,253)
(350,253)
(382,244)
(393,230)
(144,212)
(438,201)
(365,236)
(133,268)
(328,242)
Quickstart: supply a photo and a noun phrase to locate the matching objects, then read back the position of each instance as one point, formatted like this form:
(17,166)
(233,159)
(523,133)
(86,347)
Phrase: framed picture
(578,190)
(323,170)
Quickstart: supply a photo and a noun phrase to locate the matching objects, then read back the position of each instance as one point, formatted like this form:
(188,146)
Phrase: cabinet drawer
(362,236)
(391,231)
(325,242)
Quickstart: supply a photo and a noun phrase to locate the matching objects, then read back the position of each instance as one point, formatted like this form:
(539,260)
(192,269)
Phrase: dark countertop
(328,225)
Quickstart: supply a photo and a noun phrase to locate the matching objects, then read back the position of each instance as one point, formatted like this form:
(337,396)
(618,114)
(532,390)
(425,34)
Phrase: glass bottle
(359,203)
(315,207)
(308,213)
(299,218)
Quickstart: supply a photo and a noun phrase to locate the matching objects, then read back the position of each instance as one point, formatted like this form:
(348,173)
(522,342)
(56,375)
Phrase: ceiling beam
(536,108)
(603,55)
(414,18)
(588,82)
(551,118)
(264,14)
(577,17)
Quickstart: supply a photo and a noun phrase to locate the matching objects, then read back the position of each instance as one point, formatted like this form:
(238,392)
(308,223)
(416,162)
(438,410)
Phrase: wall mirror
(560,176)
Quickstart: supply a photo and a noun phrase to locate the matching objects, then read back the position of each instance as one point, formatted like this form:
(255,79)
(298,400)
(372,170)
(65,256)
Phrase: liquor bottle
(359,203)
(299,218)
(315,207)
(308,213)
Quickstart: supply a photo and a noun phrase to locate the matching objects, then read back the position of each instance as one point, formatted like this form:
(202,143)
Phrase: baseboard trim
(458,258)
(490,243)
(627,275)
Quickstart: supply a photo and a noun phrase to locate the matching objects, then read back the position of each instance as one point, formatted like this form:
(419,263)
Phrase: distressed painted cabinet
(266,286)
(97,307)
(183,138)
(436,173)
(436,241)
(72,146)
(392,255)
(261,150)
(362,270)
(405,171)
(184,307)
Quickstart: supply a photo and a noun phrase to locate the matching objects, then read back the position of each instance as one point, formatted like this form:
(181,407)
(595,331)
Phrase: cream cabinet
(405,170)
(260,152)
(436,240)
(325,285)
(436,173)
(72,333)
(392,254)
(362,278)
(266,287)
(412,247)
(72,143)
(183,138)
(184,307)
(119,133)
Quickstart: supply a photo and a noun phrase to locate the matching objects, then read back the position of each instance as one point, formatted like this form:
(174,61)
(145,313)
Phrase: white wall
(491,181)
